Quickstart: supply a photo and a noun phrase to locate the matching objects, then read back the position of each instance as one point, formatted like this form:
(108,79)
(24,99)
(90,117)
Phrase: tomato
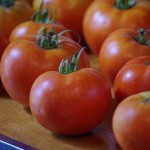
(29,29)
(121,46)
(30,2)
(131,122)
(69,12)
(104,17)
(24,60)
(13,13)
(134,77)
(70,103)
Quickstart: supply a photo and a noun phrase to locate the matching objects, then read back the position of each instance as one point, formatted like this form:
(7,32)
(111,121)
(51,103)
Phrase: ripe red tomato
(131,122)
(23,61)
(103,17)
(121,46)
(69,13)
(70,104)
(134,77)
(29,29)
(13,13)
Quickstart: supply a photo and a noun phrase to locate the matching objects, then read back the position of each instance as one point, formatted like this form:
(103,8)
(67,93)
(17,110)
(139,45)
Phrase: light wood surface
(17,122)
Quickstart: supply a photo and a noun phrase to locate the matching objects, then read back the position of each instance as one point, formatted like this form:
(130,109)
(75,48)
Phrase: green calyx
(125,4)
(49,39)
(7,3)
(42,15)
(70,65)
(143,37)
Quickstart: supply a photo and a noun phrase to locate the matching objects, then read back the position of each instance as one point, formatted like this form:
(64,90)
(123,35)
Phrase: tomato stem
(41,16)
(70,65)
(125,4)
(7,3)
(142,37)
(50,40)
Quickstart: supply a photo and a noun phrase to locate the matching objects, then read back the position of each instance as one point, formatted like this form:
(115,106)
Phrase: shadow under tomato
(3,92)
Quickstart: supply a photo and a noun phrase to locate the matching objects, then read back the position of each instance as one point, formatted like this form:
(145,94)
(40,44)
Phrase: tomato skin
(131,122)
(69,13)
(29,29)
(23,61)
(14,15)
(134,74)
(102,18)
(118,48)
(68,104)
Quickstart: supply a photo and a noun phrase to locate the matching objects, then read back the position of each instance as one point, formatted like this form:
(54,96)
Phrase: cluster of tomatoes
(45,68)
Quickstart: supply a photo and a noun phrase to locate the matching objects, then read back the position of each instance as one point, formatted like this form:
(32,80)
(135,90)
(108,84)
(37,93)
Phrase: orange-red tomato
(69,13)
(121,46)
(24,60)
(13,15)
(29,30)
(134,77)
(70,104)
(30,2)
(131,122)
(103,17)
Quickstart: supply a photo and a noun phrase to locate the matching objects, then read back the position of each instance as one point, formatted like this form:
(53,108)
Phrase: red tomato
(23,61)
(30,2)
(134,77)
(12,14)
(103,17)
(70,104)
(121,46)
(29,29)
(131,122)
(69,13)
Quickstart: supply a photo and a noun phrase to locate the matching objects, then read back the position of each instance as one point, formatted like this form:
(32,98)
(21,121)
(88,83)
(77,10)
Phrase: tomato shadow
(100,138)
(3,92)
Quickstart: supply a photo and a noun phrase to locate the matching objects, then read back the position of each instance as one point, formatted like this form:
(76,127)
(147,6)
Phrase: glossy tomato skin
(29,30)
(23,61)
(118,48)
(133,78)
(131,122)
(102,18)
(12,16)
(69,13)
(68,104)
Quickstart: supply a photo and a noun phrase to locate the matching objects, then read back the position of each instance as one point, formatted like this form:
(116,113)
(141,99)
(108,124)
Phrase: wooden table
(17,122)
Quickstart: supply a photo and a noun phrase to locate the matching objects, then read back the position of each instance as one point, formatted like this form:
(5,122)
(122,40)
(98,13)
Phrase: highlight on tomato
(71,101)
(103,17)
(121,46)
(134,77)
(24,60)
(13,12)
(30,28)
(131,122)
